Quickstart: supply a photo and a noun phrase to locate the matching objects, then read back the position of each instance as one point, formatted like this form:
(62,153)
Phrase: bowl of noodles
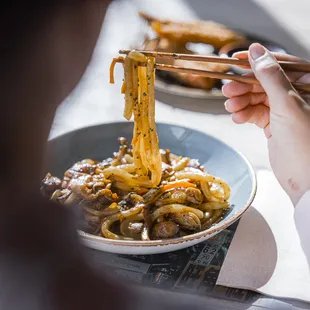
(141,187)
(99,143)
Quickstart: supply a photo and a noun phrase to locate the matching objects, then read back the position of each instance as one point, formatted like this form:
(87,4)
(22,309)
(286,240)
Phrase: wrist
(296,195)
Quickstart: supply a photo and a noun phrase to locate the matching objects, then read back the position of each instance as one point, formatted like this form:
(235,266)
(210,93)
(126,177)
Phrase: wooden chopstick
(287,65)
(217,75)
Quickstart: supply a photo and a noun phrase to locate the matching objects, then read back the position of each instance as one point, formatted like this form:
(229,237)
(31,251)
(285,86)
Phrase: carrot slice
(177,184)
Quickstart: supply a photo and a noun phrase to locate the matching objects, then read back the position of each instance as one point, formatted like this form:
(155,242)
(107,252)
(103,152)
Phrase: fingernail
(228,105)
(224,89)
(256,51)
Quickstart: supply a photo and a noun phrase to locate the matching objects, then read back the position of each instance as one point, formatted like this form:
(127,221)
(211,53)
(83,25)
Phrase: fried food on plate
(207,32)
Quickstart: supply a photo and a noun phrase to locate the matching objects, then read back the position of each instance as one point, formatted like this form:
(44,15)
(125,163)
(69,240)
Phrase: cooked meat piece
(85,187)
(49,185)
(186,220)
(194,195)
(164,230)
(207,32)
(181,195)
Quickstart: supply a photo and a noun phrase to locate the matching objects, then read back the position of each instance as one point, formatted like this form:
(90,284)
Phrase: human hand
(279,110)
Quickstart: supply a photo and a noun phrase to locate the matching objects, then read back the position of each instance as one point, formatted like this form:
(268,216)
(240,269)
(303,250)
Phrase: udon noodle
(142,192)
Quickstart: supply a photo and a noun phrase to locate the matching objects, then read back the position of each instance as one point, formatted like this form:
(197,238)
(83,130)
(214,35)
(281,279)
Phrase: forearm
(302,221)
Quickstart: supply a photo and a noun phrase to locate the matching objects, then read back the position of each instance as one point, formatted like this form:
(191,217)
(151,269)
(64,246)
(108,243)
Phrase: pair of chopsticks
(286,65)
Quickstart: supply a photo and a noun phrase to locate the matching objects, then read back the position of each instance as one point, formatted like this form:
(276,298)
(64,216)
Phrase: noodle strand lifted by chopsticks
(140,102)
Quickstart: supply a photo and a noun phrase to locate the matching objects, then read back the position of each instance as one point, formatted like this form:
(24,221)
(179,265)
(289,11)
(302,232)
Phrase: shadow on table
(254,233)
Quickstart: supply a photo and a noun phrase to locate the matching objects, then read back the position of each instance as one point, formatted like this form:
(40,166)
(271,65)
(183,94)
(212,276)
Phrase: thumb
(271,76)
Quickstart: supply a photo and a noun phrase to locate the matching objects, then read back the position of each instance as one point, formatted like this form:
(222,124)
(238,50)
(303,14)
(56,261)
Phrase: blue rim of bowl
(86,237)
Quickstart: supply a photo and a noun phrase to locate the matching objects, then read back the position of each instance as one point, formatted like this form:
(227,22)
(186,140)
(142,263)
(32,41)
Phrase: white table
(96,101)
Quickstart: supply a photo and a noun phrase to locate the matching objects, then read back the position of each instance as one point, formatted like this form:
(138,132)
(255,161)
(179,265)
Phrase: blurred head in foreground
(45,49)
